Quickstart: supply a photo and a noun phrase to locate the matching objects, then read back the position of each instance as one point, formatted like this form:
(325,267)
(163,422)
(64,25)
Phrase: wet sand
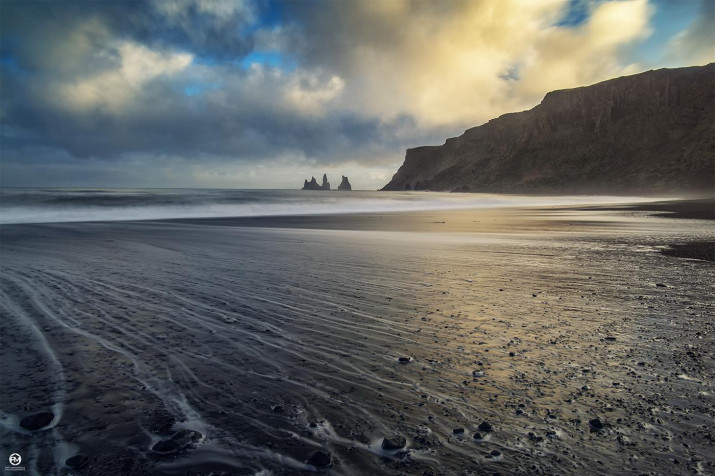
(276,342)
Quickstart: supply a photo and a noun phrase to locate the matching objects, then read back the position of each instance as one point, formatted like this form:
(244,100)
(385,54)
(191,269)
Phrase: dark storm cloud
(63,49)
(31,28)
(111,86)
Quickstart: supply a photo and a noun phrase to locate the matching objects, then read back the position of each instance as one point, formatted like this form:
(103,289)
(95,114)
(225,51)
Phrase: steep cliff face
(647,133)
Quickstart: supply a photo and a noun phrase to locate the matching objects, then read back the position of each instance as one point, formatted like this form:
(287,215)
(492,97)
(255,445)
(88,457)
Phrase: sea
(52,205)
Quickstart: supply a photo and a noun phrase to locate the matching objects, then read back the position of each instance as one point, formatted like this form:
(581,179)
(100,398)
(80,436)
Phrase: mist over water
(79,205)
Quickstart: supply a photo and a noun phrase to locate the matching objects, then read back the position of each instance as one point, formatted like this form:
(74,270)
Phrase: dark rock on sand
(458,431)
(394,442)
(485,426)
(182,440)
(319,459)
(37,421)
(405,360)
(478,436)
(596,425)
(77,461)
(495,453)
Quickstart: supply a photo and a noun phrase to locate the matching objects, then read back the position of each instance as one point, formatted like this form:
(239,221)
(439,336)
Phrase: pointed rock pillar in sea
(345,184)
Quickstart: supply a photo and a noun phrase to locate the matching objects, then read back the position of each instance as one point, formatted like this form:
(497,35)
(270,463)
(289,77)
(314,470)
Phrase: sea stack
(312,185)
(345,184)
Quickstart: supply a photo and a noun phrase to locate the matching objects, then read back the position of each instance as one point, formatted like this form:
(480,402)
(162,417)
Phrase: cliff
(345,184)
(647,133)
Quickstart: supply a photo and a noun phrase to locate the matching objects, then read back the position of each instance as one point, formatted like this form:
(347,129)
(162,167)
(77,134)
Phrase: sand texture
(512,342)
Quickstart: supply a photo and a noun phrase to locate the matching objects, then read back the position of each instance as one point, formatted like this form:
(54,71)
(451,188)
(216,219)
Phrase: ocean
(52,205)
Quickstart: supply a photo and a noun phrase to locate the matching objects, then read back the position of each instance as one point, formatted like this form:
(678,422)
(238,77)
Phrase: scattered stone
(394,442)
(595,425)
(320,459)
(485,426)
(37,421)
(182,440)
(77,461)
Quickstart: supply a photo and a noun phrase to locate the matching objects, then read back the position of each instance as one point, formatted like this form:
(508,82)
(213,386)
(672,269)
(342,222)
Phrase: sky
(266,93)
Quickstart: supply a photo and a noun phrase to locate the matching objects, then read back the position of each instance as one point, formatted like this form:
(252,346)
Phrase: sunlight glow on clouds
(237,92)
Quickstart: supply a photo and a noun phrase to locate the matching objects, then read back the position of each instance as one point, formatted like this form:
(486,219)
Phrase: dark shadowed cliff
(647,133)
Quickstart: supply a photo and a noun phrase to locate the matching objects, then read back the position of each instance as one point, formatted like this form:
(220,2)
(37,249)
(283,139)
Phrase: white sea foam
(62,205)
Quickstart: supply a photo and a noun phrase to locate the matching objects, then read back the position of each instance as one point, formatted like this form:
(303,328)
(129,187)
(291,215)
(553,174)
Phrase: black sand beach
(510,341)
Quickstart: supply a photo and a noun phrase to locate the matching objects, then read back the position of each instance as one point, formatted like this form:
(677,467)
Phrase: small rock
(77,461)
(660,285)
(277,409)
(478,436)
(478,373)
(313,424)
(485,426)
(458,431)
(37,421)
(511,354)
(610,339)
(405,360)
(182,440)
(495,453)
(394,442)
(319,459)
(596,424)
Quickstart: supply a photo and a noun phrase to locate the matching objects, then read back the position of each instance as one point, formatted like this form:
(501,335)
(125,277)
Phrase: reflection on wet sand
(521,341)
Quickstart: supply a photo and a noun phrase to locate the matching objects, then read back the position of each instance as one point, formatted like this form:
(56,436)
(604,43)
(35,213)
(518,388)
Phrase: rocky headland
(647,133)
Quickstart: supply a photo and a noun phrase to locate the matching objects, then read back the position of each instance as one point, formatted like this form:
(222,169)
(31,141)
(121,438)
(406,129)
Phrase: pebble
(394,442)
(320,459)
(595,424)
(458,431)
(77,461)
(182,440)
(405,360)
(485,426)
(37,421)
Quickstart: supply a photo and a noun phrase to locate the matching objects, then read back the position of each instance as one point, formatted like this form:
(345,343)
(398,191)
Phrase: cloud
(696,44)
(191,92)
